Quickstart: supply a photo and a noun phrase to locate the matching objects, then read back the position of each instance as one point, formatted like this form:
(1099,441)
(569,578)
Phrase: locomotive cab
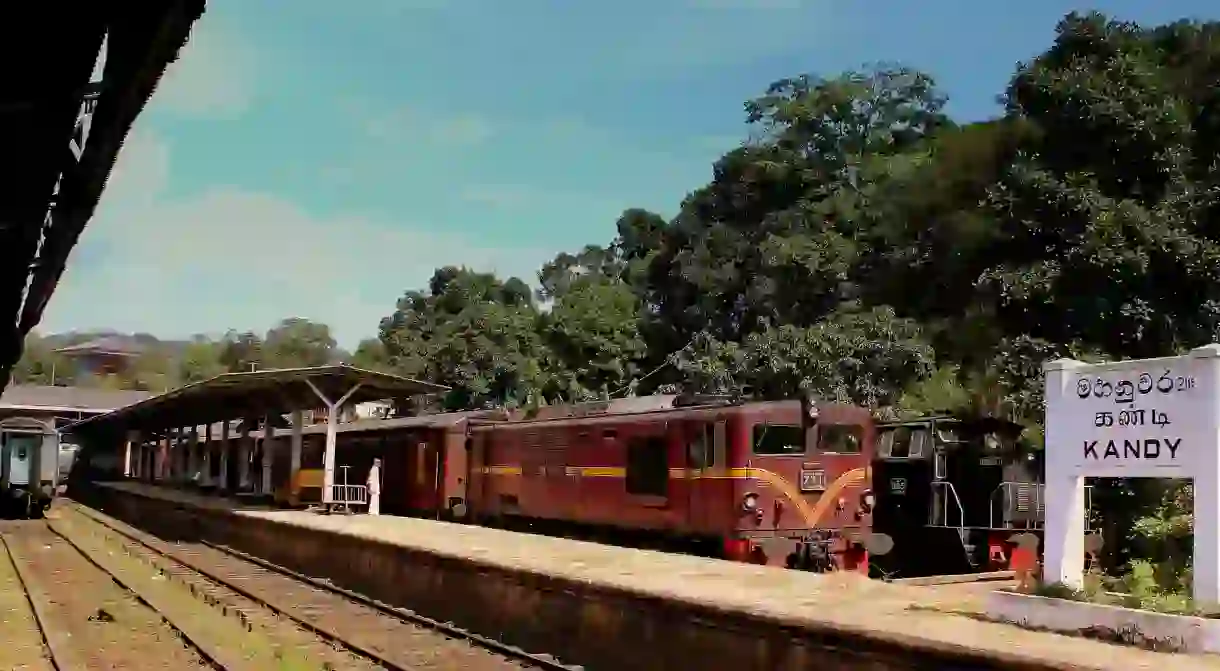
(803,500)
(942,485)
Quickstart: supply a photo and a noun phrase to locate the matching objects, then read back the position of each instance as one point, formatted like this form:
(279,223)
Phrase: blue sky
(316,159)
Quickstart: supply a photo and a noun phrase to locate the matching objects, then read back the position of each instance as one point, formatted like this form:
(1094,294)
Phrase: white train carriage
(29,467)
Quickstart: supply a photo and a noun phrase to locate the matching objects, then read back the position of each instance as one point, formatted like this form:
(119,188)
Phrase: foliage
(865,247)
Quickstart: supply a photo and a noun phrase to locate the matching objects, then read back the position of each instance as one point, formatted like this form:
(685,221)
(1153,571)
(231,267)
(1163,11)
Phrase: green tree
(371,354)
(41,365)
(241,352)
(593,334)
(472,332)
(201,360)
(299,343)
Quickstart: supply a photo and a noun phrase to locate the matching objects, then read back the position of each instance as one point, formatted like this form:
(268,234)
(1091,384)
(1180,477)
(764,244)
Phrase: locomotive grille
(1023,499)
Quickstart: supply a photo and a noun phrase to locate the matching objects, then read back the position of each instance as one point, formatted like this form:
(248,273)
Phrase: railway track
(20,591)
(375,633)
(88,611)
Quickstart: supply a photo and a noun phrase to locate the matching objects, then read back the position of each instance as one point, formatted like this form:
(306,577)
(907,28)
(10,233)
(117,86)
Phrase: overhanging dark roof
(254,394)
(57,171)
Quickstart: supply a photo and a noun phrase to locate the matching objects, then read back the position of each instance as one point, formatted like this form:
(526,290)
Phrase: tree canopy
(863,245)
(859,244)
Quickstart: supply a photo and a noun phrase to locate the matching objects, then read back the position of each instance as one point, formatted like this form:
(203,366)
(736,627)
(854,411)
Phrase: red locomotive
(783,483)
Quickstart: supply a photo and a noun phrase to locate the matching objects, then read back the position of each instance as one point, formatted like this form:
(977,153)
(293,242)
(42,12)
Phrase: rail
(406,617)
(945,493)
(52,642)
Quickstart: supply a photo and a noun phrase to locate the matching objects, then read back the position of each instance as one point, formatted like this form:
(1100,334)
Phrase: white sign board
(1132,419)
(1151,418)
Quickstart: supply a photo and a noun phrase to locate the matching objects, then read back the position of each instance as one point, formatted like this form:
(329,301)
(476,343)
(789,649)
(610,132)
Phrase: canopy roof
(255,394)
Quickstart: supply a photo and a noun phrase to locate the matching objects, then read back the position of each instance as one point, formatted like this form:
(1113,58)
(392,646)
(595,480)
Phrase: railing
(944,494)
(349,495)
(1022,505)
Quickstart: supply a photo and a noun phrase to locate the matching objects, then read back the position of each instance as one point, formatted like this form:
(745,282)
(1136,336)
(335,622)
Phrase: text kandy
(1148,448)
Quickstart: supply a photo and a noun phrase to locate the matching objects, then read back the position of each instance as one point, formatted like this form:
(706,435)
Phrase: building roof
(59,155)
(255,394)
(112,344)
(65,399)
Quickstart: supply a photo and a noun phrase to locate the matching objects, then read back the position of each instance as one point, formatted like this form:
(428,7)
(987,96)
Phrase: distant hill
(139,342)
(143,342)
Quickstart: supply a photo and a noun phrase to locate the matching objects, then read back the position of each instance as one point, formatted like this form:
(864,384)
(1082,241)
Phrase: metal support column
(294,466)
(192,456)
(163,455)
(208,449)
(132,446)
(268,445)
(332,427)
(243,456)
(224,455)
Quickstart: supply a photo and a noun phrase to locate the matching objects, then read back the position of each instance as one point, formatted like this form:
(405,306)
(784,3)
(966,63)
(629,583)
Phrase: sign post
(1151,418)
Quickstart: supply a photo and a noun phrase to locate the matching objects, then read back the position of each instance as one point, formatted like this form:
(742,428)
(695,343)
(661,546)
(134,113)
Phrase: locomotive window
(699,452)
(778,439)
(647,467)
(903,442)
(897,443)
(840,438)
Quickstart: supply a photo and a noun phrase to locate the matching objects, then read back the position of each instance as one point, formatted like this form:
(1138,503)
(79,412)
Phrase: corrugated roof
(65,398)
(255,394)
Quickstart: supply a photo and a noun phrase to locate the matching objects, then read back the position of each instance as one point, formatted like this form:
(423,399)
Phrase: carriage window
(840,438)
(778,439)
(700,453)
(647,467)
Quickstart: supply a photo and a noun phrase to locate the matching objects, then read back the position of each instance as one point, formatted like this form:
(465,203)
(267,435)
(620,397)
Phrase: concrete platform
(613,608)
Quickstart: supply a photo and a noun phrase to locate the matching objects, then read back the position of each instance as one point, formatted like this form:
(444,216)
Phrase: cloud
(225,257)
(500,196)
(213,78)
(415,126)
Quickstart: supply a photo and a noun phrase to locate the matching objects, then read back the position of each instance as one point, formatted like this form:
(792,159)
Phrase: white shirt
(374,480)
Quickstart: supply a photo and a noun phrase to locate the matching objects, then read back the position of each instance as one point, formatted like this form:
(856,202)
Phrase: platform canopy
(62,121)
(253,395)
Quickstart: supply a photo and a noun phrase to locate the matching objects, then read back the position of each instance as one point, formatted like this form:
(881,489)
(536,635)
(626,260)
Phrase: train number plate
(898,485)
(813,481)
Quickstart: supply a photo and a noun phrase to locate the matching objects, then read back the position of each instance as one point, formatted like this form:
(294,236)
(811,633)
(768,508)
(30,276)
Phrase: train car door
(456,471)
(395,478)
(647,477)
(701,460)
(425,474)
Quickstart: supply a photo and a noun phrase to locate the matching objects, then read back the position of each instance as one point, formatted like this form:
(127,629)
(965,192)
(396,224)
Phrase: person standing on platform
(374,485)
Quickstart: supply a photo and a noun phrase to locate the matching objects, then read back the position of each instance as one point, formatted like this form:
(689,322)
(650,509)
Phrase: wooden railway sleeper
(260,571)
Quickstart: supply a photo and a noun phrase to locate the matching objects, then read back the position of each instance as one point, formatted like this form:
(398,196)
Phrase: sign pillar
(1151,418)
(1206,476)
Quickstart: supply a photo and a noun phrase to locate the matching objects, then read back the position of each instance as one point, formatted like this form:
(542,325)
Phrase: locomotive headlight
(750,502)
(867,500)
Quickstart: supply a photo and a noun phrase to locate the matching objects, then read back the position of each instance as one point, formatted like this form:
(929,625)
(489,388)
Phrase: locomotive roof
(437,421)
(641,410)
